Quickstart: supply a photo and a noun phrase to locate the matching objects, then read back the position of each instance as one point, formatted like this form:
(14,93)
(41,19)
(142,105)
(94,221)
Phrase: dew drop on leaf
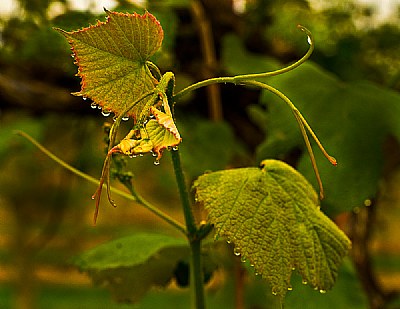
(243,259)
(106,113)
(322,291)
(156,162)
(304,282)
(93,105)
(175,148)
(290,288)
(125,118)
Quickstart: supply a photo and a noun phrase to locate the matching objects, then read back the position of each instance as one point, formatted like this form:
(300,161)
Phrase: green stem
(191,226)
(194,237)
(239,79)
(196,275)
(134,197)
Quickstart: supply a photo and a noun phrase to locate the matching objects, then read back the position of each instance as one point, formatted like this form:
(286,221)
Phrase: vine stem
(134,197)
(196,269)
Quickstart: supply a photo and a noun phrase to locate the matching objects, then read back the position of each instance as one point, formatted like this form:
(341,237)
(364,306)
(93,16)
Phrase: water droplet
(99,107)
(93,105)
(140,154)
(251,265)
(153,154)
(309,40)
(84,98)
(236,251)
(322,291)
(115,118)
(228,241)
(304,282)
(125,118)
(132,156)
(290,288)
(256,273)
(72,56)
(274,292)
(175,148)
(105,113)
(293,268)
(156,162)
(243,259)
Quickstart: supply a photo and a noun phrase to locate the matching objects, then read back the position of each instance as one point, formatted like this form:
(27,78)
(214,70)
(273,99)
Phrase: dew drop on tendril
(309,40)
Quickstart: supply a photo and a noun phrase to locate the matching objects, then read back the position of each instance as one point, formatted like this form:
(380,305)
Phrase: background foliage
(348,92)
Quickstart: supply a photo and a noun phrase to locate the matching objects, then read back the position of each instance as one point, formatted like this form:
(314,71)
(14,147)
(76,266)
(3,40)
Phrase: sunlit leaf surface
(272,216)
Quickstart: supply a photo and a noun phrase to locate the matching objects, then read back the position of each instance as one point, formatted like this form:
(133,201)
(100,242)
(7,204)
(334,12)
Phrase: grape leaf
(272,216)
(130,266)
(158,134)
(112,56)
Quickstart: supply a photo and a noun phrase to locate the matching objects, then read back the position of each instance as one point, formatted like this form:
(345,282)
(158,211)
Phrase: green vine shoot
(270,213)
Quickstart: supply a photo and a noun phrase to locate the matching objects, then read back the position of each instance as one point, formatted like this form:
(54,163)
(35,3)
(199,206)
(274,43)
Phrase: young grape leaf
(130,266)
(112,56)
(272,216)
(158,134)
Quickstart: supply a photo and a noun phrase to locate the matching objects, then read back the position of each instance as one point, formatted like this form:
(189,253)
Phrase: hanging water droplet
(140,154)
(175,148)
(153,154)
(115,118)
(322,291)
(84,98)
(125,118)
(251,265)
(228,241)
(156,162)
(105,113)
(293,268)
(290,288)
(93,105)
(132,156)
(236,251)
(256,273)
(72,56)
(309,40)
(274,292)
(243,259)
(304,282)
(99,107)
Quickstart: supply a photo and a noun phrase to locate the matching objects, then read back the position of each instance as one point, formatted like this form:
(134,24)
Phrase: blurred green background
(349,92)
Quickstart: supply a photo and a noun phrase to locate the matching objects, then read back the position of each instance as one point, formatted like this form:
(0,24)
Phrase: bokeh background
(350,90)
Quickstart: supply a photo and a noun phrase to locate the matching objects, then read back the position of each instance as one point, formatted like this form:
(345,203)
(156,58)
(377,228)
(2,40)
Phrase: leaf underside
(272,216)
(130,266)
(111,58)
